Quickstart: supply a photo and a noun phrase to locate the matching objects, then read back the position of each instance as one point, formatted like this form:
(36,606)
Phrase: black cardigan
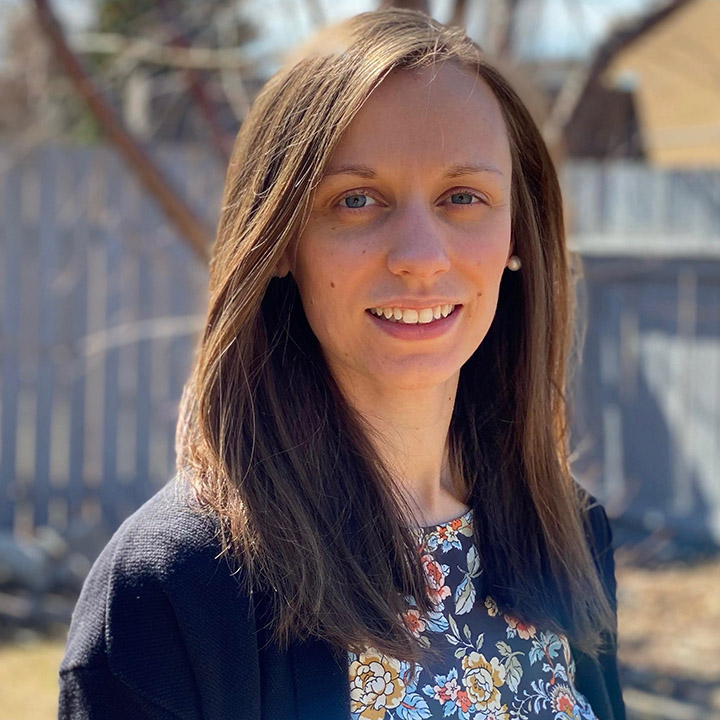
(162,631)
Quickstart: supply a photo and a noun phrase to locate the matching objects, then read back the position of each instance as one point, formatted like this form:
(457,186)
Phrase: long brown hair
(270,445)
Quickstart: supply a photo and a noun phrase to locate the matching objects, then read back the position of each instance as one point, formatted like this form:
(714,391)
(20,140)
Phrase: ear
(283,266)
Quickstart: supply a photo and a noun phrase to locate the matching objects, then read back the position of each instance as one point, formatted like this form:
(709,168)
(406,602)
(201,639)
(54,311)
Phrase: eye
(465,198)
(356,200)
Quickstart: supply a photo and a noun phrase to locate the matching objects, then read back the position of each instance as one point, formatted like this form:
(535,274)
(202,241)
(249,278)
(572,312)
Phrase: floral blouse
(493,666)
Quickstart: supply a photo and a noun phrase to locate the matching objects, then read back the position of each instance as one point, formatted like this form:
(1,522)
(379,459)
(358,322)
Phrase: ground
(28,668)
(669,648)
(669,628)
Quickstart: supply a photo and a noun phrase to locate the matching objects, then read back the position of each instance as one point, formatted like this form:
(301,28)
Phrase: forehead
(435,115)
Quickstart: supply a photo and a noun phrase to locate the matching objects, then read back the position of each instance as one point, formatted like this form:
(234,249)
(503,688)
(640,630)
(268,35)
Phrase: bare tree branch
(503,41)
(422,5)
(221,140)
(236,94)
(231,81)
(459,13)
(317,13)
(197,58)
(565,105)
(187,224)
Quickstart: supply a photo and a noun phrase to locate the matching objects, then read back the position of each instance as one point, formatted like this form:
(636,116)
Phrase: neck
(409,429)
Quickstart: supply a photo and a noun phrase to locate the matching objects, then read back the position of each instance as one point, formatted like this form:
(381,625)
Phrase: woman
(373,515)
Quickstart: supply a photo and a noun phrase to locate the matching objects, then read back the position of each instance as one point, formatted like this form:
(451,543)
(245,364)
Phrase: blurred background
(116,122)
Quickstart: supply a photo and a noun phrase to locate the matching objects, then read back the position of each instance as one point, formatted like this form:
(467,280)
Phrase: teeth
(413,317)
(425,315)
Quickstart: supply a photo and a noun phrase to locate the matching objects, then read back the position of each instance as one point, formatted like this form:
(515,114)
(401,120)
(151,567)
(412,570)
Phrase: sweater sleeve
(162,629)
(598,678)
(125,656)
(92,693)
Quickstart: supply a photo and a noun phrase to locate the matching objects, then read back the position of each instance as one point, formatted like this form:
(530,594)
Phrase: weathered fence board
(98,299)
(647,409)
(9,342)
(101,306)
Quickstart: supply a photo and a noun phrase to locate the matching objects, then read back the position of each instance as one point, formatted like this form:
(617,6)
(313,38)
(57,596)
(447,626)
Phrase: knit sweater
(163,631)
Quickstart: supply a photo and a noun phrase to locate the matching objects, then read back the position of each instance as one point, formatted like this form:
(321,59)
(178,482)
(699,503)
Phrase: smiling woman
(373,515)
(428,227)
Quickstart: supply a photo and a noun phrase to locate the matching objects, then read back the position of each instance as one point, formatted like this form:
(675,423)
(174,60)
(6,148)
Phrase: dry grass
(28,668)
(668,620)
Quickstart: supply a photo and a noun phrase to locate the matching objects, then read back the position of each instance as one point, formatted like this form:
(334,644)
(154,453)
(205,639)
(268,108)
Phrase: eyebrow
(457,170)
(361,170)
(453,171)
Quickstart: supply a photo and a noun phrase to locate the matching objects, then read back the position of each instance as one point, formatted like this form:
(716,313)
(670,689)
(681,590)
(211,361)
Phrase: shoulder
(162,543)
(598,533)
(150,581)
(160,619)
(598,526)
(167,535)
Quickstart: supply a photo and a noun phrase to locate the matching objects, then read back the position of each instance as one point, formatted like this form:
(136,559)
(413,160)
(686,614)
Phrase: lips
(412,331)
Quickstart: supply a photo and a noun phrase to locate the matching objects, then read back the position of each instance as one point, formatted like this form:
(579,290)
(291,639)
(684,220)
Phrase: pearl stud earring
(514,263)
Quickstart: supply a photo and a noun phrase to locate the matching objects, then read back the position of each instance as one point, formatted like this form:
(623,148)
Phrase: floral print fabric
(493,666)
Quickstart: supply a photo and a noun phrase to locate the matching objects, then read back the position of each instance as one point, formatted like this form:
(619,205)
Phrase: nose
(418,247)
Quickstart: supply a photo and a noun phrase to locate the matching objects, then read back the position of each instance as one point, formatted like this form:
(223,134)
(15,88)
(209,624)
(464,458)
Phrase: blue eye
(355,201)
(461,198)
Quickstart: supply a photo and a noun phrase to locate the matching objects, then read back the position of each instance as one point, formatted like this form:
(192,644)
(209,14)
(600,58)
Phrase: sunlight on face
(411,221)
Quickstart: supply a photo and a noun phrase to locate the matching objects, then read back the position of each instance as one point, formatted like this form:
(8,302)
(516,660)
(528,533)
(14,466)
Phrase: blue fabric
(487,664)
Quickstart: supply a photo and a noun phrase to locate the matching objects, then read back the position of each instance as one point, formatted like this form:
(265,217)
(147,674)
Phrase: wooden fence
(646,411)
(100,306)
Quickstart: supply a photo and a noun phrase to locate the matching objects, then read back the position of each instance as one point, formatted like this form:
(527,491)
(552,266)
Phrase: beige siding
(675,70)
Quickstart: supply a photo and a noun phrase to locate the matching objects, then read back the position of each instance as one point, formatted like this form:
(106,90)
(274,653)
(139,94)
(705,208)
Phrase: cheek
(312,275)
(488,242)
(489,261)
(499,249)
(488,266)
(318,286)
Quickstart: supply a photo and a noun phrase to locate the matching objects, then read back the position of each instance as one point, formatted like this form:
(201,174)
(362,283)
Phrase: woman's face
(411,221)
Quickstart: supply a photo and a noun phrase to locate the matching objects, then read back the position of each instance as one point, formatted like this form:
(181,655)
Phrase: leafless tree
(188,225)
(423,5)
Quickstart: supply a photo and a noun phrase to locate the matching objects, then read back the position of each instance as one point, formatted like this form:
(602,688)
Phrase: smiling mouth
(407,316)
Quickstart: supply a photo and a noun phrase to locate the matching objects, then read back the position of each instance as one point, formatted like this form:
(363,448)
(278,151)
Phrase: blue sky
(546,28)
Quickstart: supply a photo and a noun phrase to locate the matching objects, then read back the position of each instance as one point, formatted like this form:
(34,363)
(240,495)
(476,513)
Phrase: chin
(415,378)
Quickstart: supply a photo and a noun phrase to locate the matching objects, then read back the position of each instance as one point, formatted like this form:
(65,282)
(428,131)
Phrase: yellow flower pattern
(483,680)
(375,685)
(494,666)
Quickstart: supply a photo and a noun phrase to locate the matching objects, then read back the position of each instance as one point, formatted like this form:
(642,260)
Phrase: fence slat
(47,267)
(110,395)
(9,344)
(80,241)
(147,289)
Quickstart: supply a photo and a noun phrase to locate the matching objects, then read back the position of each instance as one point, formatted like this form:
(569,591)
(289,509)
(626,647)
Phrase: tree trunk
(190,228)
(423,5)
